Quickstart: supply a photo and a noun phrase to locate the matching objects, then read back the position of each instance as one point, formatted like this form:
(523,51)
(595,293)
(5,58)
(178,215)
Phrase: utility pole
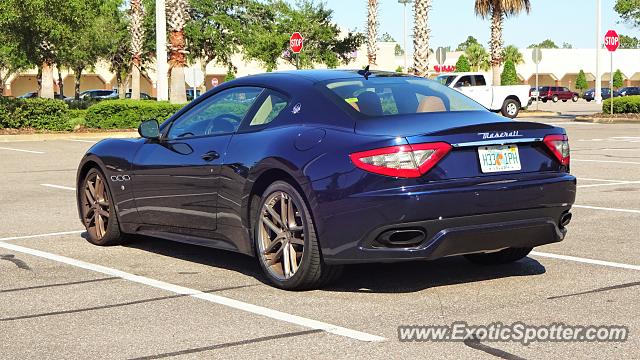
(404,31)
(598,87)
(162,82)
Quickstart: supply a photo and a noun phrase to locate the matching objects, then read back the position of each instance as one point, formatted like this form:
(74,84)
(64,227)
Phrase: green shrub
(40,114)
(627,104)
(81,104)
(509,75)
(127,114)
(77,119)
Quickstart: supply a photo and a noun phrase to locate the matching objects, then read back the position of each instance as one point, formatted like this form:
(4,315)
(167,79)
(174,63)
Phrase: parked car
(190,94)
(96,95)
(143,96)
(629,91)
(34,94)
(557,93)
(589,95)
(310,170)
(505,99)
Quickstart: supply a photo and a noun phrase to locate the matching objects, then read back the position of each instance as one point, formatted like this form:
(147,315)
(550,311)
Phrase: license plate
(499,158)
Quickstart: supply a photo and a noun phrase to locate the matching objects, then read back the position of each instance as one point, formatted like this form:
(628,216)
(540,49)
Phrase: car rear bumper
(462,235)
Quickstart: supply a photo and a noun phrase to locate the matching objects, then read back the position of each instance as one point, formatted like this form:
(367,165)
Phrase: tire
(510,108)
(98,209)
(555,98)
(501,257)
(306,268)
(565,100)
(575,98)
(544,101)
(588,100)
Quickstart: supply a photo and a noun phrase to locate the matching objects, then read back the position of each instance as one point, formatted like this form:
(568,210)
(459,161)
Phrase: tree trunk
(177,60)
(497,19)
(77,76)
(372,31)
(60,82)
(135,80)
(46,89)
(421,35)
(177,90)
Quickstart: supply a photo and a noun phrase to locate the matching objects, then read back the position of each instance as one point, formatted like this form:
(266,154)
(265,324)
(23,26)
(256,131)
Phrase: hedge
(128,114)
(40,114)
(626,104)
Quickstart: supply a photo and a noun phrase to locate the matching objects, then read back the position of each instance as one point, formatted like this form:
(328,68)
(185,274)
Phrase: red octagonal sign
(296,42)
(611,40)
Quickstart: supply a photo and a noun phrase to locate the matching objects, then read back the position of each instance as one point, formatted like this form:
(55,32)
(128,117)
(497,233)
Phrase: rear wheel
(98,212)
(588,100)
(501,257)
(510,108)
(286,244)
(554,98)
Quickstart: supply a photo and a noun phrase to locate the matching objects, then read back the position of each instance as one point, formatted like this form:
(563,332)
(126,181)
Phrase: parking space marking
(216,299)
(607,161)
(585,260)
(609,184)
(632,211)
(41,235)
(85,141)
(22,150)
(59,187)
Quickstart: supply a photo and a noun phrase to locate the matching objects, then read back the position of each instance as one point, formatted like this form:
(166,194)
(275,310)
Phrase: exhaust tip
(401,238)
(565,219)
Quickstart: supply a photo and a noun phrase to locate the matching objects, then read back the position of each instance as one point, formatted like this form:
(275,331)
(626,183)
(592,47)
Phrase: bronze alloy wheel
(95,205)
(281,235)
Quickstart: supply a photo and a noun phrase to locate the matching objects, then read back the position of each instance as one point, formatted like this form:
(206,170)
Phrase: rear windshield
(386,96)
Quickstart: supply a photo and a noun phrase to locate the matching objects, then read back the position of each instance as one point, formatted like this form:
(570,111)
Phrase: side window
(479,80)
(220,114)
(464,81)
(270,108)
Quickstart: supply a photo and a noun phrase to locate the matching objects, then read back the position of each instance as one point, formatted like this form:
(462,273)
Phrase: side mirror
(149,129)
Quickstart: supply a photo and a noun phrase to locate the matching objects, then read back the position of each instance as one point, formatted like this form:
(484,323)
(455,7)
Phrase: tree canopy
(463,46)
(629,11)
(547,44)
(513,54)
(581,81)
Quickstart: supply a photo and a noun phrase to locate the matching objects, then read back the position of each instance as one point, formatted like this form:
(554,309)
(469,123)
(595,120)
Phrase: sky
(451,21)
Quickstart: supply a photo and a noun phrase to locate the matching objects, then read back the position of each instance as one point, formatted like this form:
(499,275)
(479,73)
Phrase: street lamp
(162,83)
(404,29)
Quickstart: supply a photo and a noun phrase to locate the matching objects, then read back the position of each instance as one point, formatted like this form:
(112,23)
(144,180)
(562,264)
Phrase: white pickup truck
(506,99)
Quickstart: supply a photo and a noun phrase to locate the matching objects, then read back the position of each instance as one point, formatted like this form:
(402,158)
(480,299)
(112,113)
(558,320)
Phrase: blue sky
(451,21)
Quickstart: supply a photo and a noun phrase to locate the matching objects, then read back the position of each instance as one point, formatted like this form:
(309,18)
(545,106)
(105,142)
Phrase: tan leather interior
(431,104)
(355,106)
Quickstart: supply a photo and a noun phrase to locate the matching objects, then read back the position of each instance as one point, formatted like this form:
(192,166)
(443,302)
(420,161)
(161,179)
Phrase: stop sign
(296,42)
(611,40)
(214,82)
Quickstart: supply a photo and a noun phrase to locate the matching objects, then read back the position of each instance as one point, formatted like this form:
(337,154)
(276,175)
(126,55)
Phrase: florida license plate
(499,158)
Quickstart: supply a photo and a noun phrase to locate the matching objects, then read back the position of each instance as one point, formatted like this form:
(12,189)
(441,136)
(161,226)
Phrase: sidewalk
(74,135)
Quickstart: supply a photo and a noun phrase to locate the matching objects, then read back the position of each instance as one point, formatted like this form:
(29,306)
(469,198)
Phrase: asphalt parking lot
(61,297)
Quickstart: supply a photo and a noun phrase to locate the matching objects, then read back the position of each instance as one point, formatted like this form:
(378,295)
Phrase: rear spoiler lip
(496,142)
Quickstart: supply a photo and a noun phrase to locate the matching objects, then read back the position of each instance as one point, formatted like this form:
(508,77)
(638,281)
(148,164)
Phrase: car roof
(320,75)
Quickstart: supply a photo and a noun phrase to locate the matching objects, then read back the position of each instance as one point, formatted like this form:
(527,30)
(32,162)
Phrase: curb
(606,120)
(529,114)
(62,136)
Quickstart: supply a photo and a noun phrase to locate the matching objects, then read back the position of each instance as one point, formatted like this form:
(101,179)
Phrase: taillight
(407,161)
(559,146)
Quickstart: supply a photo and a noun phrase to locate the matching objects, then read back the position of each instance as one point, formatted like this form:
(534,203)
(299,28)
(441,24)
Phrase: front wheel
(500,257)
(98,211)
(510,108)
(575,98)
(286,244)
(555,98)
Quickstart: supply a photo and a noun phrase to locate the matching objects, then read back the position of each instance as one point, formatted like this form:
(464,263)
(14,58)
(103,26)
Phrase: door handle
(210,156)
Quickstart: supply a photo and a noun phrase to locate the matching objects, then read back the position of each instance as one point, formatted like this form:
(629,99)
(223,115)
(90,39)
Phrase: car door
(176,178)
(483,93)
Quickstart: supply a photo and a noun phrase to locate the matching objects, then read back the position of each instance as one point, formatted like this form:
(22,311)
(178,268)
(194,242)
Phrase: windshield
(386,96)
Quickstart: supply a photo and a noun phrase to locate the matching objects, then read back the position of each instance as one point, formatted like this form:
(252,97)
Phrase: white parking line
(59,187)
(586,261)
(217,299)
(22,150)
(86,141)
(609,184)
(607,161)
(41,235)
(607,209)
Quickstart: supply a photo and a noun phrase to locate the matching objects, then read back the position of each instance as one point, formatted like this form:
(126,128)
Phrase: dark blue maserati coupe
(310,170)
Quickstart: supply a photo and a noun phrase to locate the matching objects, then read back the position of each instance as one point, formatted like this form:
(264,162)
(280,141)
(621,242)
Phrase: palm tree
(421,34)
(512,53)
(372,31)
(136,29)
(478,58)
(498,9)
(177,17)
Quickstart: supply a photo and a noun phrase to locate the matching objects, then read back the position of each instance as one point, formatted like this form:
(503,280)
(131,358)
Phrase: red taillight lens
(559,146)
(407,161)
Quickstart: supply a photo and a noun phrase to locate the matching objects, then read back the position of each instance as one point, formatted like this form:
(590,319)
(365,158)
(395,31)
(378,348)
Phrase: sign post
(194,77)
(536,56)
(611,42)
(296,43)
